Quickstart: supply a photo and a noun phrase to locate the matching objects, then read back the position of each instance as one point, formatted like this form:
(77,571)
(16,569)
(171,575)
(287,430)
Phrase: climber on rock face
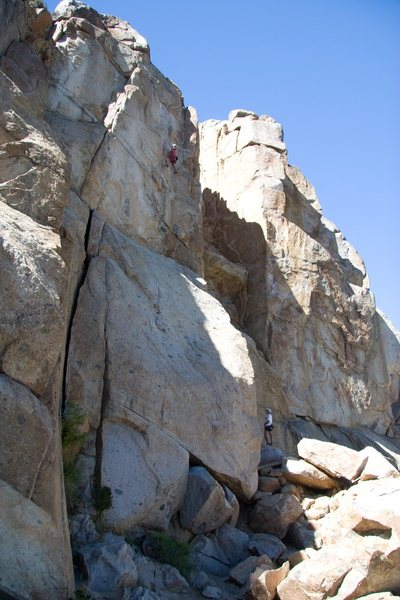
(172,158)
(268,427)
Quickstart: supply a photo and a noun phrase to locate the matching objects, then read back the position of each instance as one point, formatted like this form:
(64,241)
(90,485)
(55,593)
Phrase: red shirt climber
(172,157)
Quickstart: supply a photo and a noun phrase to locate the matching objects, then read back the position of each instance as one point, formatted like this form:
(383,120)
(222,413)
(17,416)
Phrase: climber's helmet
(174,145)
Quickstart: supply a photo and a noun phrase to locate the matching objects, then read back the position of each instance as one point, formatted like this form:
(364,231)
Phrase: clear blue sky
(328,70)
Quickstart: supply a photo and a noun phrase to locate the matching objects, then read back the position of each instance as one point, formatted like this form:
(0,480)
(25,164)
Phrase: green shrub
(72,439)
(167,550)
(71,486)
(102,499)
(72,420)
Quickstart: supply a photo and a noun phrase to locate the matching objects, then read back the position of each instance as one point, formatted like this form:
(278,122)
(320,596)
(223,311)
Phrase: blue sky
(328,70)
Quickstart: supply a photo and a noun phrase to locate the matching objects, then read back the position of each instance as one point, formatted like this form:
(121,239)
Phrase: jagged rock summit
(159,314)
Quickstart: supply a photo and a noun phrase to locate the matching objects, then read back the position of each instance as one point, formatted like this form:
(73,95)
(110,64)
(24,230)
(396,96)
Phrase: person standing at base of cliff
(268,427)
(172,158)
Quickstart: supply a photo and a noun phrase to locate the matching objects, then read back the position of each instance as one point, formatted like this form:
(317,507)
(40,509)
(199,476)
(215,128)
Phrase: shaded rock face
(307,303)
(12,22)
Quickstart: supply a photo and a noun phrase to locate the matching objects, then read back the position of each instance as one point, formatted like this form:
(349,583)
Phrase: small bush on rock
(102,499)
(71,486)
(72,420)
(72,439)
(165,549)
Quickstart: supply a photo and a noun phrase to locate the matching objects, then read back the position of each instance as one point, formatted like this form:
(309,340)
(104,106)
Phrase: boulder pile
(325,525)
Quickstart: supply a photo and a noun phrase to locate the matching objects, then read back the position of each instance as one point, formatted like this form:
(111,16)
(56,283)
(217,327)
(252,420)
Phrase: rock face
(168,319)
(33,276)
(34,183)
(188,372)
(117,115)
(307,302)
(34,555)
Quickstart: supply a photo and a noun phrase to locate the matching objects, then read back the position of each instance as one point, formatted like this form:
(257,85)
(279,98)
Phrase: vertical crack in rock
(105,392)
(93,159)
(79,284)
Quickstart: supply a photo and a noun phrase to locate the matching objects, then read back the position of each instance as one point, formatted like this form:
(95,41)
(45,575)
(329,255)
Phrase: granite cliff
(167,310)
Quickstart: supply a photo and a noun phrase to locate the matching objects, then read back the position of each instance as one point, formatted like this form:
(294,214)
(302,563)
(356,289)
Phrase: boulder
(147,473)
(168,376)
(177,532)
(316,508)
(34,559)
(263,583)
(268,484)
(271,456)
(368,507)
(159,577)
(205,506)
(208,556)
(294,490)
(233,542)
(241,573)
(218,553)
(348,569)
(337,461)
(198,579)
(274,513)
(377,466)
(304,473)
(299,556)
(109,565)
(234,503)
(210,591)
(265,543)
(356,438)
(82,530)
(301,533)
